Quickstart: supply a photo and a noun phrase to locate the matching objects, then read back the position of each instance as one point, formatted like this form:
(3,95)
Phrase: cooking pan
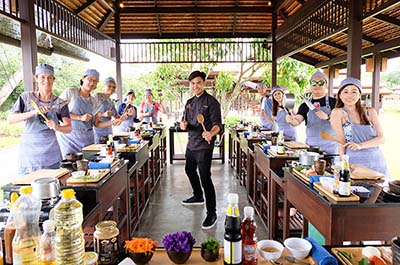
(288,102)
(74,156)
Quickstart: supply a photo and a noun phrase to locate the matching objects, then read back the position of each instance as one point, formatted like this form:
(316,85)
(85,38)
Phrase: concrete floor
(165,214)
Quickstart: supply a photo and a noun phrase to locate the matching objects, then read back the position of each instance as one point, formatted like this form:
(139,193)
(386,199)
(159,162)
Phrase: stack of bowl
(396,250)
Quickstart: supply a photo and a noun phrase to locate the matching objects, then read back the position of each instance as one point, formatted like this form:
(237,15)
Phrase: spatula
(36,107)
(200,119)
(329,137)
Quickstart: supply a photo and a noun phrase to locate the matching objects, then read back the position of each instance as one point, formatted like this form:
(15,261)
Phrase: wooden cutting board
(301,176)
(41,173)
(386,254)
(334,197)
(97,178)
(93,148)
(274,154)
(361,172)
(295,145)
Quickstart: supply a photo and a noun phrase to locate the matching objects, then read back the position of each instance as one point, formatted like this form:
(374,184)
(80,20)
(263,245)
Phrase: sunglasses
(317,83)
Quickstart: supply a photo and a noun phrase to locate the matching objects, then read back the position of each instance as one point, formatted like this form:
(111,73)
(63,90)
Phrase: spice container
(91,258)
(106,242)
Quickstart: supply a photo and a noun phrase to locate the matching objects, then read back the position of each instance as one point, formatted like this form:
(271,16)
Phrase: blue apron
(315,126)
(82,131)
(282,125)
(39,148)
(266,105)
(150,108)
(371,158)
(105,105)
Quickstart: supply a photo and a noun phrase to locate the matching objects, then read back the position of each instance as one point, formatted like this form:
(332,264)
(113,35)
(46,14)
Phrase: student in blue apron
(279,114)
(148,110)
(82,106)
(266,119)
(106,111)
(127,112)
(358,127)
(317,118)
(39,148)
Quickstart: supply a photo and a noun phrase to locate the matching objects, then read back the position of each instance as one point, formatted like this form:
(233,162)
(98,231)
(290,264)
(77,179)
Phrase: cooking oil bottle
(47,254)
(26,211)
(68,218)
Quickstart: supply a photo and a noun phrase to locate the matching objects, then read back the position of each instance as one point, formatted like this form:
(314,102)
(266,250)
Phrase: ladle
(329,137)
(200,119)
(36,107)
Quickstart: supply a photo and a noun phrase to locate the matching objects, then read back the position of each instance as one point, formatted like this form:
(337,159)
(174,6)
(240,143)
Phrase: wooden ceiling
(163,19)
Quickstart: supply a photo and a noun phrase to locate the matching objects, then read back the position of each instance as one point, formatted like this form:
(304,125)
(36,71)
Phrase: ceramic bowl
(298,247)
(78,174)
(140,258)
(327,182)
(394,186)
(270,249)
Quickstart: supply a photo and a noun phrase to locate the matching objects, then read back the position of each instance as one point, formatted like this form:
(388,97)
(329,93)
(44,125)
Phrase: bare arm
(294,119)
(337,120)
(208,135)
(16,117)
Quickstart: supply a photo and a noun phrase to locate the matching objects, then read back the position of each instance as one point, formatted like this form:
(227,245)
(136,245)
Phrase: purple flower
(179,242)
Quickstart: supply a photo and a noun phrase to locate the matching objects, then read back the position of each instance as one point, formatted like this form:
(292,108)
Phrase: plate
(391,195)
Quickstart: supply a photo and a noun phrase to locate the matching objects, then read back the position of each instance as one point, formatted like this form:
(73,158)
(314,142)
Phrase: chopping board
(295,145)
(301,176)
(356,252)
(93,148)
(274,154)
(41,173)
(334,197)
(361,172)
(96,177)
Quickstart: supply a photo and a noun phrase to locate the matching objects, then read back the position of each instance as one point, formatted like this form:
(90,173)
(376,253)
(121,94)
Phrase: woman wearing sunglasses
(358,127)
(316,114)
(279,114)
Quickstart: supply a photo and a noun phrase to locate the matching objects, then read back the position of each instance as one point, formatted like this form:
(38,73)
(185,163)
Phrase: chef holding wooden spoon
(202,119)
(43,115)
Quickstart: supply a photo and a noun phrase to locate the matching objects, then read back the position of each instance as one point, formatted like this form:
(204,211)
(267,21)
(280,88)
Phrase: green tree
(392,79)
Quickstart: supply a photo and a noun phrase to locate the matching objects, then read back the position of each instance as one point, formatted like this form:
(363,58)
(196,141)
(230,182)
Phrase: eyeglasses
(317,83)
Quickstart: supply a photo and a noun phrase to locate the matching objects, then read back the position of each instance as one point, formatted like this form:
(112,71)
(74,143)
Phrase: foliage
(179,241)
(211,244)
(11,130)
(392,79)
(231,120)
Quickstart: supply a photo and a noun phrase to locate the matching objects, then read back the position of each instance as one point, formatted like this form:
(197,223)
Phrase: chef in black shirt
(200,145)
(316,114)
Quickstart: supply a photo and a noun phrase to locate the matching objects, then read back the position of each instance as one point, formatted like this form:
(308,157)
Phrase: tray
(334,197)
(361,172)
(274,154)
(93,148)
(301,176)
(97,178)
(386,254)
(41,173)
(295,145)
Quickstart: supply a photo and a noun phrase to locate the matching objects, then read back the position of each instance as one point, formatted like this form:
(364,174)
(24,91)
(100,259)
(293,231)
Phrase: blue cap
(44,69)
(319,74)
(109,80)
(148,91)
(91,72)
(350,81)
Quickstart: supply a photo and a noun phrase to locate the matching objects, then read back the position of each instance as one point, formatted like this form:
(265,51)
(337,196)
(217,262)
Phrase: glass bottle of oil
(68,218)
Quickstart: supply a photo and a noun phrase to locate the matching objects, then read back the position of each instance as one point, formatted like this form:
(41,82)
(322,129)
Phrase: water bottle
(9,231)
(232,235)
(26,212)
(249,238)
(47,254)
(68,218)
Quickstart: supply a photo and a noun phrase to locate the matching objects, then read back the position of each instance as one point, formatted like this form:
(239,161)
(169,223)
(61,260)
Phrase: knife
(309,104)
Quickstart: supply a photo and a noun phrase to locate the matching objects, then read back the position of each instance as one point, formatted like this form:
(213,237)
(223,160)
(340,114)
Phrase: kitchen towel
(320,254)
(98,165)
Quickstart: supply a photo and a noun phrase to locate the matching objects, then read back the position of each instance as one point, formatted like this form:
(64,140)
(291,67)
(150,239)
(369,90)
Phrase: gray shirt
(211,110)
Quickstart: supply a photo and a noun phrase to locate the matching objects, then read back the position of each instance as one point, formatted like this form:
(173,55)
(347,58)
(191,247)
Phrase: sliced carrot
(375,260)
(139,245)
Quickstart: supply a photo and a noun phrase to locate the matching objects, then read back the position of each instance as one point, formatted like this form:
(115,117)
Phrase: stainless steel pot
(46,188)
(307,158)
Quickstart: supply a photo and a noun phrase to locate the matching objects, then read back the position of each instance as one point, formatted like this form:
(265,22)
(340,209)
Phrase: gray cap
(277,88)
(109,80)
(91,72)
(148,91)
(44,69)
(319,74)
(261,85)
(350,81)
(130,91)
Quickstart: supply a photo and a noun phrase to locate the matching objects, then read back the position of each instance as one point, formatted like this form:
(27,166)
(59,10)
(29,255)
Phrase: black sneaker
(210,221)
(193,201)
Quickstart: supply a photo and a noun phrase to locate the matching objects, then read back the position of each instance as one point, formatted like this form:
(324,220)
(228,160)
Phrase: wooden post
(354,45)
(331,77)
(376,76)
(117,27)
(274,62)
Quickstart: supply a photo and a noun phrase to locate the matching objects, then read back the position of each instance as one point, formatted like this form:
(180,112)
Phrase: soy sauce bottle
(232,235)
(344,178)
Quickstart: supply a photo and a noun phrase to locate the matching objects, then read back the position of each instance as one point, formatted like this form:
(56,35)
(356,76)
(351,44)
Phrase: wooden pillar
(354,40)
(376,77)
(117,27)
(28,42)
(331,77)
(274,62)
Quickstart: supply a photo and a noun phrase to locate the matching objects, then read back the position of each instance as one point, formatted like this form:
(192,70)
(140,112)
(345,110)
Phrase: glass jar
(106,242)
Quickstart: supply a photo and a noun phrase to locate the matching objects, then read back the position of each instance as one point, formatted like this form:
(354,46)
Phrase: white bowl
(270,245)
(78,174)
(298,247)
(327,182)
(121,145)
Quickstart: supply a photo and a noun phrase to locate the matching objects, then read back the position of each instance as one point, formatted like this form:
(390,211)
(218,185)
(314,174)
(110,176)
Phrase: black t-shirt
(303,109)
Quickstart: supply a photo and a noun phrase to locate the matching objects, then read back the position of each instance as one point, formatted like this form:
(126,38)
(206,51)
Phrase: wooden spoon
(329,137)
(200,119)
(36,107)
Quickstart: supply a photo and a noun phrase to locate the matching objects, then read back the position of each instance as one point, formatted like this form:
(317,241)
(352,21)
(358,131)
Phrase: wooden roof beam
(84,6)
(105,20)
(158,20)
(328,55)
(383,7)
(182,35)
(197,10)
(280,4)
(334,45)
(304,58)
(388,19)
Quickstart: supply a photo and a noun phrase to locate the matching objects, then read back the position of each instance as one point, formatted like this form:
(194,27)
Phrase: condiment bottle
(106,242)
(344,178)
(232,235)
(9,231)
(1,253)
(249,238)
(280,144)
(47,244)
